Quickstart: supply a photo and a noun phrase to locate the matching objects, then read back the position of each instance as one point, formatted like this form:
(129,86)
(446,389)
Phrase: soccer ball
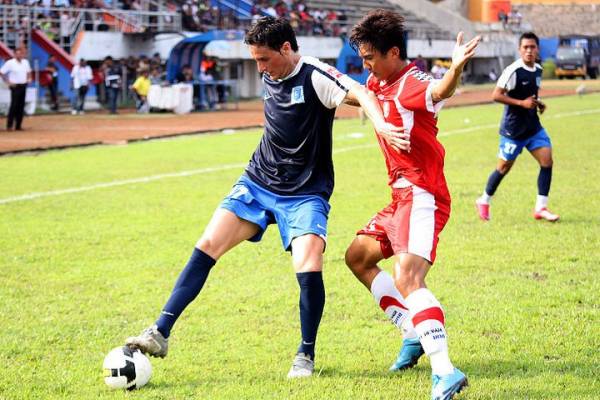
(125,368)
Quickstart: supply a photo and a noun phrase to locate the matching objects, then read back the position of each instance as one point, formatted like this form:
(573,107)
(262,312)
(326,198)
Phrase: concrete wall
(97,45)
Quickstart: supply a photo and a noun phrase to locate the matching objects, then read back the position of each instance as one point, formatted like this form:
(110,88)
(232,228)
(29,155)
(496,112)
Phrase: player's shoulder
(417,75)
(513,67)
(321,67)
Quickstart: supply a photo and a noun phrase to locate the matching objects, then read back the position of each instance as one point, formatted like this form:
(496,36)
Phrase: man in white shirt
(81,75)
(16,72)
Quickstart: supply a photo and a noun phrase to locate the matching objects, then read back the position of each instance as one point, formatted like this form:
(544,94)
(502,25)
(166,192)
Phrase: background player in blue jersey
(288,181)
(518,88)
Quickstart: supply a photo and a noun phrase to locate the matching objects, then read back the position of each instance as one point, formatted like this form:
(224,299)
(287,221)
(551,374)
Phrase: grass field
(93,239)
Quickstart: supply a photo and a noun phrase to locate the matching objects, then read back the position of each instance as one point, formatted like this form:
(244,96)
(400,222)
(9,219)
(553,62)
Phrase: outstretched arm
(460,55)
(359,96)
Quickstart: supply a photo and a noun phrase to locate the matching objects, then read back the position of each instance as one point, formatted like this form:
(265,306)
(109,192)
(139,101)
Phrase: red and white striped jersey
(406,101)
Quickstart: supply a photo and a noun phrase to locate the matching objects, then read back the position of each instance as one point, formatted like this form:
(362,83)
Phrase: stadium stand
(355,9)
(559,19)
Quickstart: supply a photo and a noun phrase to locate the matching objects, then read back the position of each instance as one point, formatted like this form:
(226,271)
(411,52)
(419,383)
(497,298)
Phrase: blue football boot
(409,355)
(444,387)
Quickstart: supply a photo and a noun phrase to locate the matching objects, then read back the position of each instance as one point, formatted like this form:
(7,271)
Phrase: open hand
(463,52)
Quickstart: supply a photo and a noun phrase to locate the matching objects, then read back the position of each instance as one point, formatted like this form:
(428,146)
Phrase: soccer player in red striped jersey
(409,226)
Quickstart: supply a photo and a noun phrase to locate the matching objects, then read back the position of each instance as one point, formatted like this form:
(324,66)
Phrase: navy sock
(187,287)
(493,182)
(544,180)
(312,302)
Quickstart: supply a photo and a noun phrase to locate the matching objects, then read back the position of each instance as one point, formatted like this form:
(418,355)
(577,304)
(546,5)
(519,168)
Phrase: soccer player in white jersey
(408,227)
(288,182)
(517,89)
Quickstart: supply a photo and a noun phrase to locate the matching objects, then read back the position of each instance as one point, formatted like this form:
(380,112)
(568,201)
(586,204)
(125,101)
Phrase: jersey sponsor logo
(297,95)
(524,82)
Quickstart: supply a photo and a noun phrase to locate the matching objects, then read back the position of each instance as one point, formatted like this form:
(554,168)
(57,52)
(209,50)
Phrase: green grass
(81,271)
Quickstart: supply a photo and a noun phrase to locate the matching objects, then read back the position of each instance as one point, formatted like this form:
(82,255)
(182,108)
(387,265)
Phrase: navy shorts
(294,215)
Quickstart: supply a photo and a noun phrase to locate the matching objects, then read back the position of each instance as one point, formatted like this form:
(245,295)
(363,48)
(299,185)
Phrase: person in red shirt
(409,226)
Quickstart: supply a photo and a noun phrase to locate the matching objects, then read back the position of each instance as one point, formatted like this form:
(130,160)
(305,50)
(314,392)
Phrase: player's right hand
(529,103)
(395,136)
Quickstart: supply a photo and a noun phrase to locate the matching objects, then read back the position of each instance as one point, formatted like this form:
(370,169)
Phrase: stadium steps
(549,20)
(418,27)
(443,18)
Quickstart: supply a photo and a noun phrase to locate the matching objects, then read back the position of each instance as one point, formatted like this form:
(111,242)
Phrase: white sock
(485,198)
(541,202)
(389,299)
(428,319)
(408,329)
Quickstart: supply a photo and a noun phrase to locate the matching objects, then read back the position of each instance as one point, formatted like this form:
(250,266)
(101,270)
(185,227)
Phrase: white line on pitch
(152,178)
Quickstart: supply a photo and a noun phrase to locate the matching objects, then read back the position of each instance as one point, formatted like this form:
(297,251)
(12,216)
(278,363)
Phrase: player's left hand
(395,136)
(541,106)
(463,52)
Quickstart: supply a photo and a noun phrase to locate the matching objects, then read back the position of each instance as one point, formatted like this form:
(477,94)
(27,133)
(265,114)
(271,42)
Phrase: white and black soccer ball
(125,368)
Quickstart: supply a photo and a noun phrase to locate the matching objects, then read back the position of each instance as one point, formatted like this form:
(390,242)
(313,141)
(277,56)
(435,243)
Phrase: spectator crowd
(199,16)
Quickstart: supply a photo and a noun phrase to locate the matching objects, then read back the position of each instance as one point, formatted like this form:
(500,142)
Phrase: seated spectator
(156,60)
(185,75)
(156,77)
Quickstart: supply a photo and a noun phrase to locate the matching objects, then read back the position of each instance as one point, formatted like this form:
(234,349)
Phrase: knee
(504,168)
(547,163)
(408,281)
(355,260)
(209,246)
(308,265)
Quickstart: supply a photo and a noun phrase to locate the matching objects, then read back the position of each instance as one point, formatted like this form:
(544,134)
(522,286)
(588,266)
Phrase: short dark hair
(271,32)
(529,35)
(381,29)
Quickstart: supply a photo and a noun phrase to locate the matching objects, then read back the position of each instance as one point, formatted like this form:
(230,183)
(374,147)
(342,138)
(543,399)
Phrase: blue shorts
(511,148)
(294,215)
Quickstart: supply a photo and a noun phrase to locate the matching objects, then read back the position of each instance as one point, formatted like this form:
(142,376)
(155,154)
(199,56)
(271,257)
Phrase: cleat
(483,209)
(302,367)
(150,341)
(409,355)
(446,386)
(544,213)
